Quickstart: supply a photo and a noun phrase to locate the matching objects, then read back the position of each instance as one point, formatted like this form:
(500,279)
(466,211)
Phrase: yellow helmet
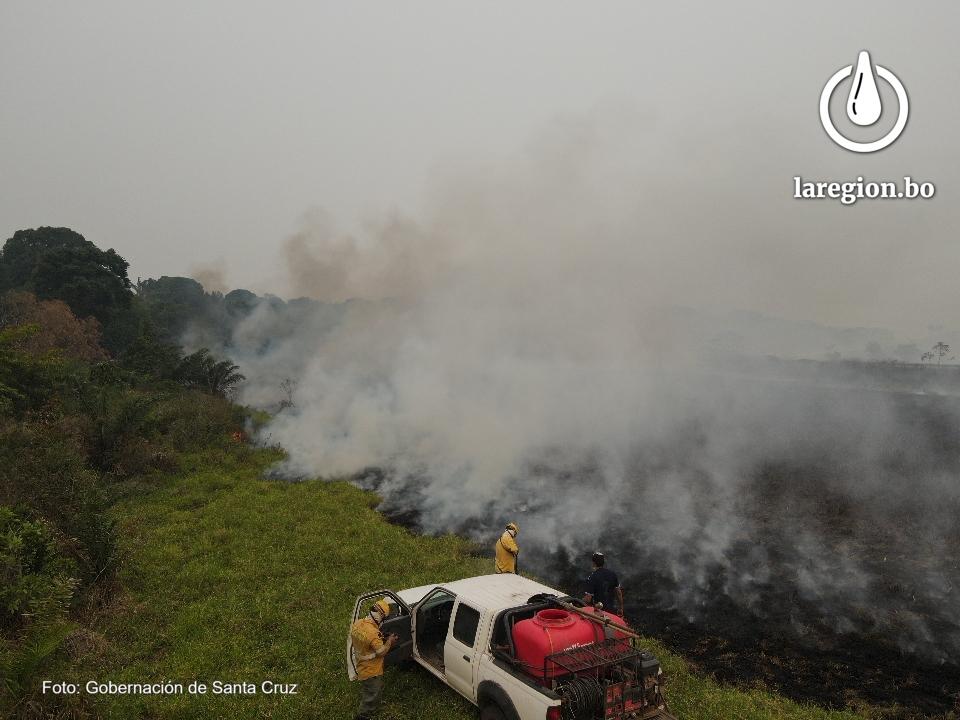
(513,526)
(382,608)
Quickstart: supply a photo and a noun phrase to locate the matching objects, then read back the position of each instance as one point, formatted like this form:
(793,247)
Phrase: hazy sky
(197,135)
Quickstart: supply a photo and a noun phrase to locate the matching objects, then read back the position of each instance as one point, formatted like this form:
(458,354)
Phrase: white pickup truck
(509,645)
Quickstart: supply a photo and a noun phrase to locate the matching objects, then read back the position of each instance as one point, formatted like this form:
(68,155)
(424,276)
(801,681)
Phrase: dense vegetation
(78,418)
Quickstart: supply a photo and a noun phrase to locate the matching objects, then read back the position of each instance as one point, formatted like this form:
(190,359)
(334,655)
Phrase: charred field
(835,577)
(785,640)
(825,592)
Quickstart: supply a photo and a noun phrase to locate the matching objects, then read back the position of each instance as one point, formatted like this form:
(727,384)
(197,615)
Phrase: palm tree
(941,349)
(223,377)
(202,370)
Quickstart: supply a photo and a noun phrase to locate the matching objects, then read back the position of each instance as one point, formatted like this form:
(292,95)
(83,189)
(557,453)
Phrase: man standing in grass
(507,550)
(369,649)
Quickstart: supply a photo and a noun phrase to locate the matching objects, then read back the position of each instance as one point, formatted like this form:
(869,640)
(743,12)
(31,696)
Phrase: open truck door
(398,623)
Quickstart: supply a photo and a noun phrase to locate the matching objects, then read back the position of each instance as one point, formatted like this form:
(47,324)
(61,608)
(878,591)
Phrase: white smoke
(516,352)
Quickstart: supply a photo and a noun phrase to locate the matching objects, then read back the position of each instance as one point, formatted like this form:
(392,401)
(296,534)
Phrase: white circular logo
(863,104)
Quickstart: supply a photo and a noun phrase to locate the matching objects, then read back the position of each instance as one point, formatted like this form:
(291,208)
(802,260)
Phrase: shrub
(21,662)
(38,582)
(43,468)
(114,415)
(192,419)
(140,456)
(26,381)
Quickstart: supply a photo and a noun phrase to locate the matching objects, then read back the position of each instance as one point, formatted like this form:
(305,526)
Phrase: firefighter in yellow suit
(369,649)
(507,550)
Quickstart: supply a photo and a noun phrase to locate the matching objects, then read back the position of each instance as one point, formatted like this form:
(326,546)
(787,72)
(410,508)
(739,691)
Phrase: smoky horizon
(230,145)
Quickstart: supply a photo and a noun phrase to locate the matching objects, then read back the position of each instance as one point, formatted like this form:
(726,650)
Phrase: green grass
(230,577)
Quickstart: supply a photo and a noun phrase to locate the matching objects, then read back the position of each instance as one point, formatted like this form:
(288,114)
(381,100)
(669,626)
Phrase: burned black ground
(839,581)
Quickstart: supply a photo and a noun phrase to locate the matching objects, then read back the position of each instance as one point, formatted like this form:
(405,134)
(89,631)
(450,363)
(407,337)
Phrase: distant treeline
(885,375)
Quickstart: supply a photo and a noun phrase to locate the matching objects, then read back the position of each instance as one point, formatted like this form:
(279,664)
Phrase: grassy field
(233,578)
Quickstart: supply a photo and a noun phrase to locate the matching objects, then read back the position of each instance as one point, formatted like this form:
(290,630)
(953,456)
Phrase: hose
(583,699)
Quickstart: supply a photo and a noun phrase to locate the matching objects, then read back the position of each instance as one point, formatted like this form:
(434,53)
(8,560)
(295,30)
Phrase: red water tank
(551,631)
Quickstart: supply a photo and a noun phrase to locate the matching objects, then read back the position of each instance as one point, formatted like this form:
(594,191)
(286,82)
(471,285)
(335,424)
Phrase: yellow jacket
(506,551)
(367,640)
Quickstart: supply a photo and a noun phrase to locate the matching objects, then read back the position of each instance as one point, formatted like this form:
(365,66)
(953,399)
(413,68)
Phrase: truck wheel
(492,711)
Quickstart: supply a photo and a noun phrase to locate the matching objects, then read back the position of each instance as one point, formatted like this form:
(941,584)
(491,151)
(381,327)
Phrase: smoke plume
(524,349)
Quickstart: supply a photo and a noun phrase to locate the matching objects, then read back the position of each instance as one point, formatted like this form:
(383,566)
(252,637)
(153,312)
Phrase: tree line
(95,391)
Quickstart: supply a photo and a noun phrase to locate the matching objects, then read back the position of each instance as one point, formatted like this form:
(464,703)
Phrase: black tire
(492,711)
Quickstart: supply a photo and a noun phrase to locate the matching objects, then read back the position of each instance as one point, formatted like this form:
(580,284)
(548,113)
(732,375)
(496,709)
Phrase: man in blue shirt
(603,586)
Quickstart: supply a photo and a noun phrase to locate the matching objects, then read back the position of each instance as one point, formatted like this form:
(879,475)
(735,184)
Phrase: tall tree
(56,327)
(941,349)
(60,264)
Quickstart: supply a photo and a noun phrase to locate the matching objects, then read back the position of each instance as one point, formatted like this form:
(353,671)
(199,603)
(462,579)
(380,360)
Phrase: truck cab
(462,632)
